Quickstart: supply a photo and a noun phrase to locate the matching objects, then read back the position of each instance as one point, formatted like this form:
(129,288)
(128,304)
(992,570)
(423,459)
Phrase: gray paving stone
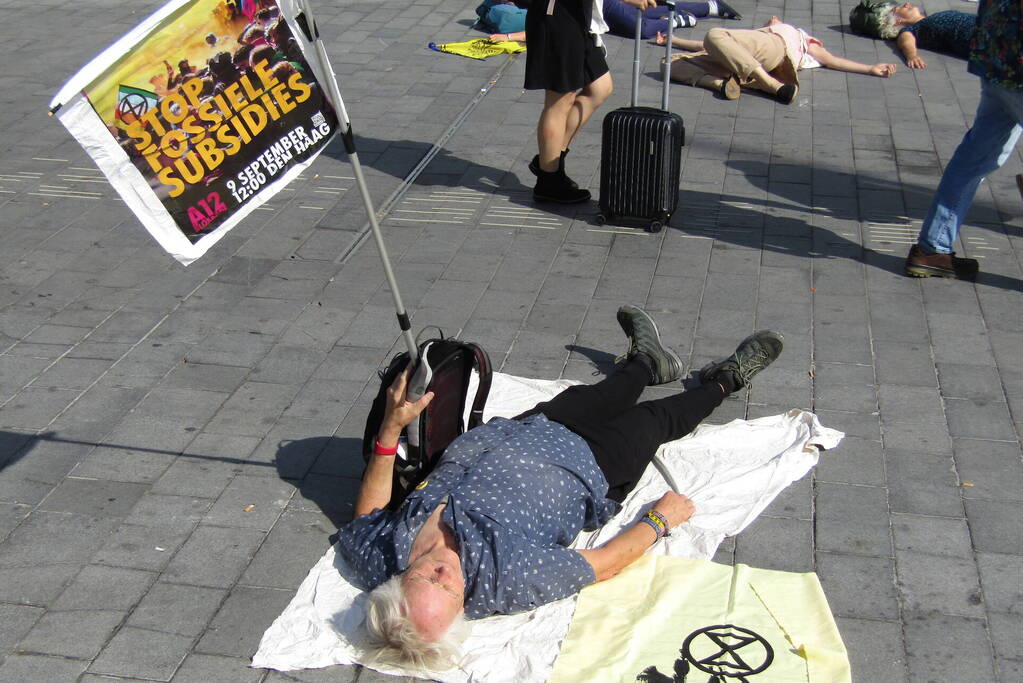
(969,381)
(142,654)
(853,461)
(15,622)
(213,668)
(858,586)
(929,656)
(181,610)
(851,519)
(992,469)
(17,668)
(949,585)
(979,418)
(904,363)
(252,409)
(78,634)
(233,547)
(255,608)
(909,404)
(758,545)
(932,535)
(94,497)
(35,409)
(104,588)
(875,648)
(1004,630)
(217,378)
(330,674)
(1000,578)
(252,502)
(134,465)
(296,542)
(926,438)
(922,484)
(997,526)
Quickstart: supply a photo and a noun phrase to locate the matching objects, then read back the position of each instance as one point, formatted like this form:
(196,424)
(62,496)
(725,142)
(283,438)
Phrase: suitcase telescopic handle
(635,57)
(666,69)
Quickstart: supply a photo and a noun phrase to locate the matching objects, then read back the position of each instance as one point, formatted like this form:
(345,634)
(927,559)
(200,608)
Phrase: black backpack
(444,368)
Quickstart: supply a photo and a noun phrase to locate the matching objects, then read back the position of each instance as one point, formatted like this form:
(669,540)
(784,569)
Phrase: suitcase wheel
(601,219)
(655,226)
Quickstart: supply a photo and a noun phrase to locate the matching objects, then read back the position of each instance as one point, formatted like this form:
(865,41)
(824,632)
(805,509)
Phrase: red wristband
(380,450)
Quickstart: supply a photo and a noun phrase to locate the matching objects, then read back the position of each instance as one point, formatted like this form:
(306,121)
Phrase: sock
(712,8)
(726,380)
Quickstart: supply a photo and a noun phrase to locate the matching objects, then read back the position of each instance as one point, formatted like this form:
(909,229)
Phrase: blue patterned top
(518,492)
(947,31)
(995,52)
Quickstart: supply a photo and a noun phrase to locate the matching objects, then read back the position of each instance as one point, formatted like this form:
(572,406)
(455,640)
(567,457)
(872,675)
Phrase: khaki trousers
(735,53)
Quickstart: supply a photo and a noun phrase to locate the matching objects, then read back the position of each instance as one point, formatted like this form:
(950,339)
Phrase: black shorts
(560,52)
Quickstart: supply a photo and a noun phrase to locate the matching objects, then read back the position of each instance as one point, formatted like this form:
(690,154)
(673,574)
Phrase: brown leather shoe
(921,264)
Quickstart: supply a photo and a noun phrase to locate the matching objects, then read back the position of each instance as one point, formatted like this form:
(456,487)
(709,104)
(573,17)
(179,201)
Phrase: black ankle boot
(558,187)
(534,166)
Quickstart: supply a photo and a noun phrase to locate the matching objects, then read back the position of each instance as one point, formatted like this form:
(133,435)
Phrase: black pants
(624,435)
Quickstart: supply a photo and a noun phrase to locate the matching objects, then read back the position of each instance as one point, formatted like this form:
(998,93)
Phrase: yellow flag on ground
(665,619)
(481,48)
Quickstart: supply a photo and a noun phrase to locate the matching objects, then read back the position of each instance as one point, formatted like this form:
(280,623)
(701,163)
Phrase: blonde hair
(395,636)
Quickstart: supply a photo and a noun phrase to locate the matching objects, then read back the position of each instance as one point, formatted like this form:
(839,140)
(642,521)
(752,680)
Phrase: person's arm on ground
(519,36)
(680,43)
(907,46)
(629,545)
(375,491)
(842,64)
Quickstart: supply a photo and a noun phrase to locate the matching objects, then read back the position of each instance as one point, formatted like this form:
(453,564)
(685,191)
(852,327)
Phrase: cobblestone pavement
(144,407)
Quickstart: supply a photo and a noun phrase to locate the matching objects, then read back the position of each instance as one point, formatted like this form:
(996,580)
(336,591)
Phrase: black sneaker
(726,11)
(644,339)
(753,354)
(558,187)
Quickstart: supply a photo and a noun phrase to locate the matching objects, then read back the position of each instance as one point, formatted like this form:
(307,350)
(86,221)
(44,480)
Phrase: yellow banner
(481,48)
(669,619)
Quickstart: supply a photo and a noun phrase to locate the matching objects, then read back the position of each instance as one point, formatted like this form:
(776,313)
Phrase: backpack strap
(483,369)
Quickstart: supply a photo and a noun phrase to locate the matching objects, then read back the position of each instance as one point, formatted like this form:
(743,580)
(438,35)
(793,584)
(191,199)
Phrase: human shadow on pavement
(399,158)
(327,471)
(784,215)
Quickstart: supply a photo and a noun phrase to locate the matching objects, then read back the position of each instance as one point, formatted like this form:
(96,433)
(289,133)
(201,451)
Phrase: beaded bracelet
(653,525)
(661,522)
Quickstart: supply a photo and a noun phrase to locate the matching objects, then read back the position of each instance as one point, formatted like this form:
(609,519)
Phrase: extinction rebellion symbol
(723,651)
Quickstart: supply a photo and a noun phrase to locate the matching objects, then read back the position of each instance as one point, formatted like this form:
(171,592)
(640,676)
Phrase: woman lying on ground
(764,59)
(947,31)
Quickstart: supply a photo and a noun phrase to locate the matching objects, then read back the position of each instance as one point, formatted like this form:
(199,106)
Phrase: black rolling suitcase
(641,154)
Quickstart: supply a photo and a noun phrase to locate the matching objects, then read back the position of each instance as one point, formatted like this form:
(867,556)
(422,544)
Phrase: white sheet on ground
(731,472)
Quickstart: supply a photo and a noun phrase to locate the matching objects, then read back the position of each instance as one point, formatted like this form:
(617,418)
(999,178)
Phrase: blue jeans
(984,149)
(621,18)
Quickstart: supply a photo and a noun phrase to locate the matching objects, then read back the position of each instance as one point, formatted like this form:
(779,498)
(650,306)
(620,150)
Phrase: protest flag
(205,111)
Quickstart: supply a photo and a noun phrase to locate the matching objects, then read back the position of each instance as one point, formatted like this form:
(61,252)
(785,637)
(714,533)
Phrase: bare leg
(586,102)
(551,129)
